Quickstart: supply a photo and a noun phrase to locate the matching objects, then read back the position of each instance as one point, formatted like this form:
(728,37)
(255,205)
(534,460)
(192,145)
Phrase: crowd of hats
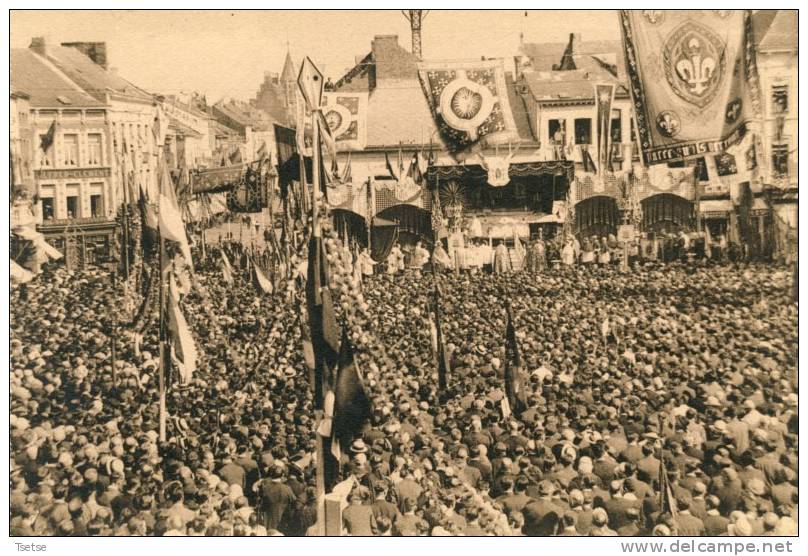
(694,365)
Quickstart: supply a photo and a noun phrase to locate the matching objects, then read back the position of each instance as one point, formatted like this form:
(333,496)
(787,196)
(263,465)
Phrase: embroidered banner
(468,101)
(693,79)
(604,96)
(347,115)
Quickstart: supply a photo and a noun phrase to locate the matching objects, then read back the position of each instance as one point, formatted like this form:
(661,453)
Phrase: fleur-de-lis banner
(468,101)
(693,79)
(604,96)
(347,115)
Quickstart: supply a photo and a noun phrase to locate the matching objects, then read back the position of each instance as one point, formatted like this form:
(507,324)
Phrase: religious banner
(468,101)
(248,195)
(693,79)
(346,115)
(604,96)
(497,168)
(216,179)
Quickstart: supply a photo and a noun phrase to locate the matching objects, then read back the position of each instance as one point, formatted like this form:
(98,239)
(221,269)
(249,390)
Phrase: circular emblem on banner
(734,109)
(668,123)
(694,62)
(465,105)
(338,119)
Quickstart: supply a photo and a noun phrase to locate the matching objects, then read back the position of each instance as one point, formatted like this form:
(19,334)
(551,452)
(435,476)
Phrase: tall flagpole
(310,81)
(161,308)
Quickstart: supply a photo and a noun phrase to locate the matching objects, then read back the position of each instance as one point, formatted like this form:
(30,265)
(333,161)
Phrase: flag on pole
(389,166)
(20,275)
(513,368)
(693,79)
(322,318)
(347,176)
(444,366)
(262,283)
(172,226)
(47,139)
(352,406)
(183,349)
(227,269)
(667,502)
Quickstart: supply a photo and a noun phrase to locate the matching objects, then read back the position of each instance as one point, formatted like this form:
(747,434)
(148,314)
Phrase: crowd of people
(682,374)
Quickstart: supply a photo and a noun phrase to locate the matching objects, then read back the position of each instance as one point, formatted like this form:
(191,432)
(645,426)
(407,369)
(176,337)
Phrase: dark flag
(149,225)
(414,172)
(389,167)
(444,366)
(47,139)
(667,502)
(322,319)
(352,407)
(513,368)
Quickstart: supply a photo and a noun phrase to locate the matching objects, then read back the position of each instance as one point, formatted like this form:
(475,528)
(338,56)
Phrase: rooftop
(775,30)
(46,85)
(89,75)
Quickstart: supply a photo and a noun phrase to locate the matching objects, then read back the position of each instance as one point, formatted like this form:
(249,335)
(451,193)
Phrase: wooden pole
(161,308)
(316,232)
(114,354)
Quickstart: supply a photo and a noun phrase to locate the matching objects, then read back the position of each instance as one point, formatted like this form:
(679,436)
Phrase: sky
(225,54)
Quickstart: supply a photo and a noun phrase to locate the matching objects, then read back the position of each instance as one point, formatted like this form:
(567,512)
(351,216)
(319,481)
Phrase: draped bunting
(666,207)
(410,219)
(565,168)
(597,215)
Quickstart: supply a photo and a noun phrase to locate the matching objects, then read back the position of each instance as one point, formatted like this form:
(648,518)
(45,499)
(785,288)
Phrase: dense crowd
(692,365)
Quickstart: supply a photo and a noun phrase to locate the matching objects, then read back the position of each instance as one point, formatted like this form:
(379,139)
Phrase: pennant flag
(469,102)
(227,270)
(414,173)
(352,406)
(513,368)
(262,283)
(347,176)
(172,226)
(693,79)
(604,96)
(182,343)
(667,502)
(47,139)
(235,156)
(19,275)
(389,166)
(346,117)
(322,318)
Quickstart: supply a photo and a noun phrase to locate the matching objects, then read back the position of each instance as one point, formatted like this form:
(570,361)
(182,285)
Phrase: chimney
(95,51)
(38,45)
